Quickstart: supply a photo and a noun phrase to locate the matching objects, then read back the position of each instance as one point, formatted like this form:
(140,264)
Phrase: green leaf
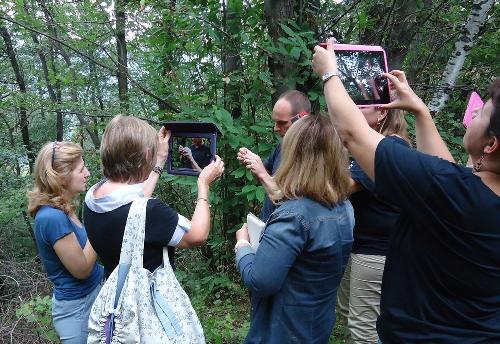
(287,30)
(312,95)
(295,53)
(260,194)
(240,172)
(248,188)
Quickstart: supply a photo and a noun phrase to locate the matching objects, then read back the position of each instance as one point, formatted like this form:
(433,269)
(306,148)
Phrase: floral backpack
(137,306)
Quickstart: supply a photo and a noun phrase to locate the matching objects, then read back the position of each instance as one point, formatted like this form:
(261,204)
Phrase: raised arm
(350,123)
(200,222)
(161,158)
(428,139)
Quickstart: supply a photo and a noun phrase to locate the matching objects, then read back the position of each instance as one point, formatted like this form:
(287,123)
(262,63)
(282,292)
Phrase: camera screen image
(191,152)
(361,73)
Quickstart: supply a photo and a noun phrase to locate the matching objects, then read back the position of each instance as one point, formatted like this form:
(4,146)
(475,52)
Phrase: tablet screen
(361,73)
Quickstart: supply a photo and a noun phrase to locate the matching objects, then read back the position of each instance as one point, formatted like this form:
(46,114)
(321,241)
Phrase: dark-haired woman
(376,219)
(442,272)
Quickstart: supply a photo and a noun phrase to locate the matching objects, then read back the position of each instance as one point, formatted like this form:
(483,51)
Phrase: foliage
(178,53)
(39,312)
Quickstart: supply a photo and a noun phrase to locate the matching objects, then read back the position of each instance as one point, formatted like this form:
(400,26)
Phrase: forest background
(67,67)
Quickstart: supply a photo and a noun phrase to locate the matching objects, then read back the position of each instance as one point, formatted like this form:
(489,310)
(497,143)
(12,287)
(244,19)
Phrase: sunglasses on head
(299,116)
(54,146)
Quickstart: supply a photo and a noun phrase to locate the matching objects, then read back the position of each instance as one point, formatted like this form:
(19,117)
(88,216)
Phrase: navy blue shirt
(271,164)
(441,280)
(52,224)
(201,155)
(375,218)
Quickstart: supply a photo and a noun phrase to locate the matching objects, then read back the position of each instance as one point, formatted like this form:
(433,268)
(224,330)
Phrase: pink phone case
(354,47)
(474,103)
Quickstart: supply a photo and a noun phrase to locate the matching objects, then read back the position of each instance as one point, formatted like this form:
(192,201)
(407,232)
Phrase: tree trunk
(463,46)
(277,12)
(12,142)
(231,55)
(397,22)
(23,117)
(121,48)
(55,98)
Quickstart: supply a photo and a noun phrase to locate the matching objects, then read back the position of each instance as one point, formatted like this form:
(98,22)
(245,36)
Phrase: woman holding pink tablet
(442,273)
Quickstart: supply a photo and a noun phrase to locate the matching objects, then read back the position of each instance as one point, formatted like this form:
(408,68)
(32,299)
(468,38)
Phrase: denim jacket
(295,273)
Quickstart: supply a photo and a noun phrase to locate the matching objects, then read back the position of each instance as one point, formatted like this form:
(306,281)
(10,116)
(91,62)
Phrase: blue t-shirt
(375,219)
(52,224)
(271,164)
(441,280)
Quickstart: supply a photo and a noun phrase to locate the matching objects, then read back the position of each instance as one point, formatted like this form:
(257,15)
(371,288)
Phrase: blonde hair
(313,164)
(128,149)
(53,164)
(394,123)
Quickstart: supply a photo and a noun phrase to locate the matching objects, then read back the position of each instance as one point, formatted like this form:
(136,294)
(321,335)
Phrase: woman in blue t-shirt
(69,259)
(359,294)
(442,273)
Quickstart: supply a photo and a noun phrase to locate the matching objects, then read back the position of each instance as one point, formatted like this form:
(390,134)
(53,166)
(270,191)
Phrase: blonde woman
(376,220)
(295,273)
(70,262)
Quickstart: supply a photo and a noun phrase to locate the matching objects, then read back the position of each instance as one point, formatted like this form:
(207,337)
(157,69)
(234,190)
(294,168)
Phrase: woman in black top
(442,272)
(127,150)
(359,296)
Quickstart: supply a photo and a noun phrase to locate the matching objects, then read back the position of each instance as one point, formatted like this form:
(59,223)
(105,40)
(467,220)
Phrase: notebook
(255,228)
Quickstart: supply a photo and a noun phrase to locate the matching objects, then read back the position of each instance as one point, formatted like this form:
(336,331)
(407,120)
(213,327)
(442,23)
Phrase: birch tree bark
(463,46)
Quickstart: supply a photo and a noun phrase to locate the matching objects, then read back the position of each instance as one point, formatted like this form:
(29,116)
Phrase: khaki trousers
(358,297)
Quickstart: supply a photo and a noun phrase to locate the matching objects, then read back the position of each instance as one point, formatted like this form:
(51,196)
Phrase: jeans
(71,317)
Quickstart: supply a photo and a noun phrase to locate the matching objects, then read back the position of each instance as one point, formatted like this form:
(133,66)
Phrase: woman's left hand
(163,137)
(242,233)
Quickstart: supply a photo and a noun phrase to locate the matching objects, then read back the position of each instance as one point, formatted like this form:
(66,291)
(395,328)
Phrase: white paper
(255,228)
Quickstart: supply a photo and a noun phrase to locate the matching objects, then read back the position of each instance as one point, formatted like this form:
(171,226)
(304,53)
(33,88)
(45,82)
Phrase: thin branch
(335,22)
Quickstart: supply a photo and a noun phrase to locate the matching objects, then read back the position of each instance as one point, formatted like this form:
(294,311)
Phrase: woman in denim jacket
(295,273)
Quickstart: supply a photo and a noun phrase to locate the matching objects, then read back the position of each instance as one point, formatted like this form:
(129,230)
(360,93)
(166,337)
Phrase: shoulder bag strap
(133,237)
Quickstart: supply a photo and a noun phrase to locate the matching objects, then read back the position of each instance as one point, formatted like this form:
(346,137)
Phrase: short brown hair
(298,101)
(53,165)
(128,149)
(394,123)
(314,163)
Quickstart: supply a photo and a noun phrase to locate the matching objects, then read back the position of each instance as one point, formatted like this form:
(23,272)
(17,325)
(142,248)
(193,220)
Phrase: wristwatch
(328,75)
(158,169)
